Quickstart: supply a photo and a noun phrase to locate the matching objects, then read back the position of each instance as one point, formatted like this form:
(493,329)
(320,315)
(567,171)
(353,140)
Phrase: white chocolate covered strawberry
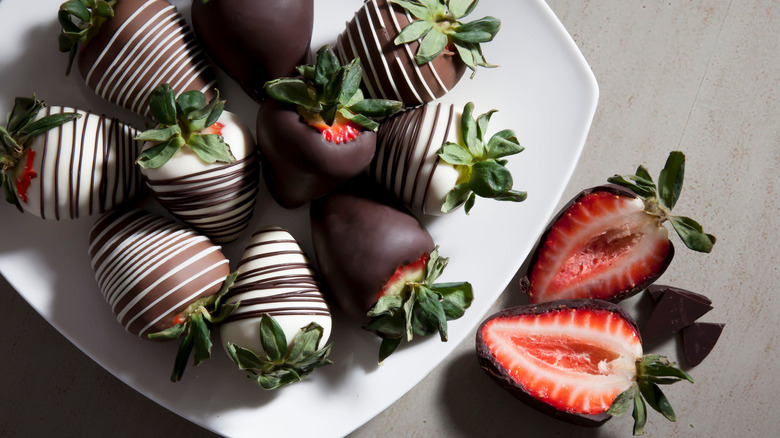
(65,163)
(201,163)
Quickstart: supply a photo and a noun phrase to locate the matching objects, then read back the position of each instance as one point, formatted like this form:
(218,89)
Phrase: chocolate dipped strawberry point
(317,131)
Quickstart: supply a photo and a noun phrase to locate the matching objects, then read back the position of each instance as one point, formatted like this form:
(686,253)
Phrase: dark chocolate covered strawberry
(436,158)
(380,265)
(317,131)
(65,163)
(254,41)
(610,242)
(580,361)
(200,163)
(126,48)
(161,279)
(415,51)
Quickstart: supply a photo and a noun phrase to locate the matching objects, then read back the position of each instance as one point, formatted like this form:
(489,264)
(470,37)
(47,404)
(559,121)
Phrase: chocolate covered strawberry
(124,49)
(415,51)
(317,131)
(252,45)
(435,158)
(580,361)
(64,163)
(161,279)
(277,334)
(380,265)
(200,163)
(610,242)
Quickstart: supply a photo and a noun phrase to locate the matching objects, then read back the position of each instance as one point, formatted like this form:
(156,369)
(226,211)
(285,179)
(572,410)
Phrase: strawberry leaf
(163,105)
(414,8)
(183,355)
(326,67)
(272,339)
(44,124)
(246,359)
(292,91)
(670,180)
(456,197)
(211,148)
(191,101)
(429,316)
(201,338)
(482,123)
(80,21)
(640,190)
(387,305)
(455,298)
(692,234)
(159,135)
(639,414)
(623,402)
(387,347)
(456,154)
(469,131)
(10,191)
(461,8)
(502,144)
(360,119)
(160,153)
(350,84)
(656,399)
(431,46)
(414,31)
(478,31)
(490,179)
(376,107)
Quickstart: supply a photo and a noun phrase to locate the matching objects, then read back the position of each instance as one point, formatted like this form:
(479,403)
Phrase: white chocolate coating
(275,277)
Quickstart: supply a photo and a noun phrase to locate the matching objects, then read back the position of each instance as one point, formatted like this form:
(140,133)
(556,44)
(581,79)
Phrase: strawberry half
(317,131)
(609,242)
(578,360)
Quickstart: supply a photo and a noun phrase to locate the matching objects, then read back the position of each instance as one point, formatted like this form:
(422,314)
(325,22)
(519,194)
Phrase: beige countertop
(700,76)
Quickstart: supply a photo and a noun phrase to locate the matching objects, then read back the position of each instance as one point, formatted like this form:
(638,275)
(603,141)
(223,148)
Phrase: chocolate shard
(657,291)
(699,339)
(675,310)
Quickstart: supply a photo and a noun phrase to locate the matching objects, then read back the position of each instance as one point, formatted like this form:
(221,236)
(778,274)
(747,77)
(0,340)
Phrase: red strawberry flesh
(340,131)
(412,273)
(602,246)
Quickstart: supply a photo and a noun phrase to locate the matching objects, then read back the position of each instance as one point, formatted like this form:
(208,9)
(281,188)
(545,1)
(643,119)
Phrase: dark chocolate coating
(298,163)
(699,339)
(675,310)
(493,368)
(359,242)
(254,41)
(616,190)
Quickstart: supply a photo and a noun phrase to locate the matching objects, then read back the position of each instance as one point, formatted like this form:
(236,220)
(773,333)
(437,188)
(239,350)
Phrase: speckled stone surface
(701,76)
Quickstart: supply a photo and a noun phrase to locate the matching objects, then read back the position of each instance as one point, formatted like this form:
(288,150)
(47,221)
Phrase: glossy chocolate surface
(675,310)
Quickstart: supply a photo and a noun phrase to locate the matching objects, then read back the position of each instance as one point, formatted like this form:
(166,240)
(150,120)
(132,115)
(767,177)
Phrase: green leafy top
(420,307)
(21,128)
(479,160)
(195,324)
(282,365)
(80,21)
(327,89)
(652,370)
(437,25)
(659,200)
(180,122)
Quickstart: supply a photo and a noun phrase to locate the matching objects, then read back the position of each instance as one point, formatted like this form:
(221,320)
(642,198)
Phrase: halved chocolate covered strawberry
(380,265)
(251,43)
(435,158)
(161,279)
(64,163)
(610,243)
(277,334)
(316,131)
(127,48)
(580,361)
(200,163)
(415,51)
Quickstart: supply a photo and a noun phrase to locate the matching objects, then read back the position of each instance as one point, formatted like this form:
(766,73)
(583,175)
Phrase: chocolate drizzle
(94,147)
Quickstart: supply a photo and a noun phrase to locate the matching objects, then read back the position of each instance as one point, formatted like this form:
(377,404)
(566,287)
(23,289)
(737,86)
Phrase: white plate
(544,90)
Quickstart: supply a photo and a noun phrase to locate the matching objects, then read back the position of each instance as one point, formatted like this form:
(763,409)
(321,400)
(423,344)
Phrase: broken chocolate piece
(698,340)
(675,310)
(657,291)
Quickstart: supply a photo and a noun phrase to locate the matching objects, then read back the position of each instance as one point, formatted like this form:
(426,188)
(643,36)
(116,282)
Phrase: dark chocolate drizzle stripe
(270,283)
(91,147)
(153,46)
(217,202)
(149,268)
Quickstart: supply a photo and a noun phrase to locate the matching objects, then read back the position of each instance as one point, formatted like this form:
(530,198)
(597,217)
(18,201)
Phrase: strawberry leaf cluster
(282,365)
(180,122)
(437,25)
(21,128)
(652,370)
(419,307)
(481,162)
(659,200)
(80,21)
(195,328)
(327,89)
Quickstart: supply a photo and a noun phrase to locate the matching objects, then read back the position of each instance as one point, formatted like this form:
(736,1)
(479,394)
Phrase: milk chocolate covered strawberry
(161,279)
(126,48)
(255,41)
(200,163)
(65,163)
(317,131)
(415,51)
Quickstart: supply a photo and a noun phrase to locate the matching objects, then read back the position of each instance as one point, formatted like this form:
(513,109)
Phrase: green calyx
(437,24)
(180,122)
(21,128)
(659,200)
(194,326)
(80,21)
(419,308)
(652,370)
(480,162)
(282,364)
(327,89)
